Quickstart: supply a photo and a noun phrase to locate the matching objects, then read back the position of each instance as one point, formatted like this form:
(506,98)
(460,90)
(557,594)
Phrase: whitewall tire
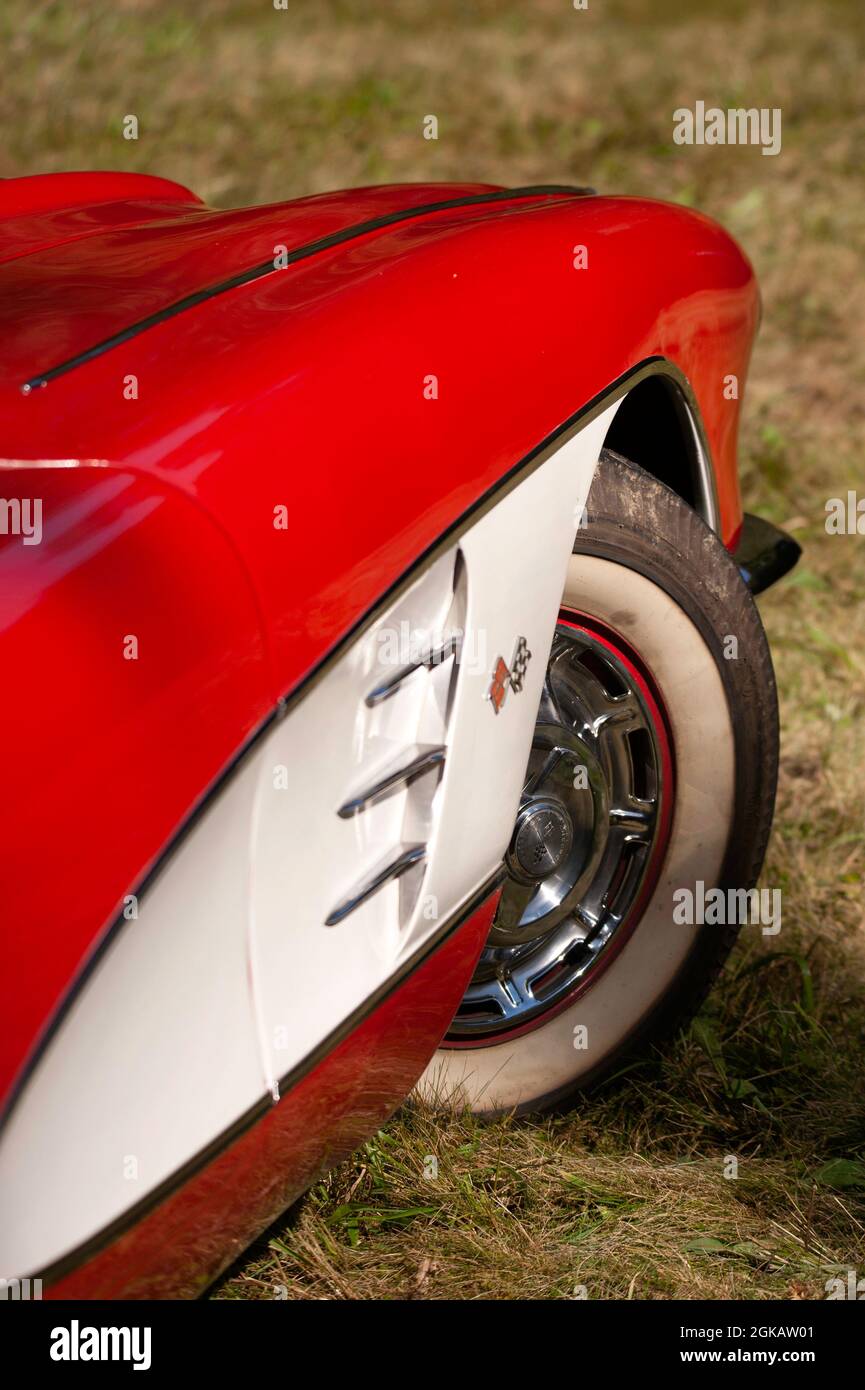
(652,591)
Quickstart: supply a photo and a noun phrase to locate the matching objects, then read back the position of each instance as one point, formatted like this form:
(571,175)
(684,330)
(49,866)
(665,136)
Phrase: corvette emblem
(513,677)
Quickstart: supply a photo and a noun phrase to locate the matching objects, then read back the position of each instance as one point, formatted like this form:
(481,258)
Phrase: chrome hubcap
(586,832)
(542,840)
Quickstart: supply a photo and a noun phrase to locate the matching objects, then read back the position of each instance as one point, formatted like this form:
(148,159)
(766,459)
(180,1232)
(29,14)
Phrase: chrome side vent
(391,684)
(390,868)
(411,658)
(420,760)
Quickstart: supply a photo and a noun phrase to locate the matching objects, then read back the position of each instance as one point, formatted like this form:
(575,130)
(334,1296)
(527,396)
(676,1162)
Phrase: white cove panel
(309,976)
(158,1054)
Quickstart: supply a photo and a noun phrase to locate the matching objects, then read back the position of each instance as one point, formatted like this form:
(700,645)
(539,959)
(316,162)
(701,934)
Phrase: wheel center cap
(543,838)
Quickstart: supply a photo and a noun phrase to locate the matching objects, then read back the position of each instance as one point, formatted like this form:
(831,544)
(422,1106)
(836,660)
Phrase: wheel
(653,769)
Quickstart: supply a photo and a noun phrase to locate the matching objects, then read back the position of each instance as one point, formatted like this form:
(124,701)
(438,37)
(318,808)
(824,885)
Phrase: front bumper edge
(765,553)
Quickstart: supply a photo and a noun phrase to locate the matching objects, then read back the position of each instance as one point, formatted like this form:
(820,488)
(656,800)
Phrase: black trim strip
(301,253)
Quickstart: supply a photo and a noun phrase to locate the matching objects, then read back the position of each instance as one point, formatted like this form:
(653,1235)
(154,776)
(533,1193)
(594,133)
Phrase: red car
(380,660)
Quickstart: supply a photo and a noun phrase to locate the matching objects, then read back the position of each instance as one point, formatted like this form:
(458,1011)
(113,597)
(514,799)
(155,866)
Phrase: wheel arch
(659,426)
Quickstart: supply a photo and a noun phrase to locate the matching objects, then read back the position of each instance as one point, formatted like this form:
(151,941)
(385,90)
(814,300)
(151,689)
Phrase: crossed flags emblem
(512,677)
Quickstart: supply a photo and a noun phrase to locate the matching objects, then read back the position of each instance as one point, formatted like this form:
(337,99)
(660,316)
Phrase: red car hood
(46,209)
(82,256)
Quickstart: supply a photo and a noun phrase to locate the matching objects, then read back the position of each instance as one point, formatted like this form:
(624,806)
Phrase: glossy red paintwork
(184,1242)
(40,193)
(83,290)
(305,390)
(91,797)
(47,209)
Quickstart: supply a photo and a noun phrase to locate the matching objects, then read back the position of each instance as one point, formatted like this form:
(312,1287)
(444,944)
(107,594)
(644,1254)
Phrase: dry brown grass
(626,1194)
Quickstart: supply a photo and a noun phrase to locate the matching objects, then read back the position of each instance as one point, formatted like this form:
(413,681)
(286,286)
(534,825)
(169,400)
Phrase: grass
(625,1196)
